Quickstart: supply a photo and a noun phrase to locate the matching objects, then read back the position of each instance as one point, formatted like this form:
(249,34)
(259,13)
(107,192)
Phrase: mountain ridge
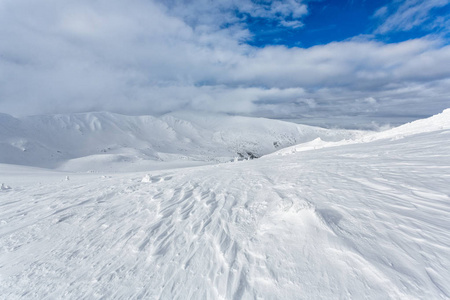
(53,141)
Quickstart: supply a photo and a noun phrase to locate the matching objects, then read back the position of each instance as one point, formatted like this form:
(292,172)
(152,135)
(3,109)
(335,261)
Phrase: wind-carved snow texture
(366,220)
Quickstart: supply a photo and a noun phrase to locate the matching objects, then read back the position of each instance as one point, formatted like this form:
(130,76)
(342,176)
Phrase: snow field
(354,221)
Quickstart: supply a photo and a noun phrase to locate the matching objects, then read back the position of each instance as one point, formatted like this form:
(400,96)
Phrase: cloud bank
(150,57)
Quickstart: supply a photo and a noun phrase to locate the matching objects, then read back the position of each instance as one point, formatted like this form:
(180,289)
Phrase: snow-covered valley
(336,215)
(110,142)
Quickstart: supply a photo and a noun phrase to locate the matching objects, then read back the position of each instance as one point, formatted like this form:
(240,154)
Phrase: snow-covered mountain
(99,141)
(365,219)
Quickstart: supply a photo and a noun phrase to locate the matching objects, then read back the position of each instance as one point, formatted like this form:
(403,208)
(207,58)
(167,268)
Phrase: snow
(438,122)
(4,187)
(110,142)
(362,218)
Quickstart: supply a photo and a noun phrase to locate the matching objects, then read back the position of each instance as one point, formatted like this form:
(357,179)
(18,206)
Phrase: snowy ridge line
(437,122)
(106,142)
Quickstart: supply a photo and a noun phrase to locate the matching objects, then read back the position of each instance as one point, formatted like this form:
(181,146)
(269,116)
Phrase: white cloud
(409,14)
(348,64)
(292,24)
(215,14)
(381,12)
(142,57)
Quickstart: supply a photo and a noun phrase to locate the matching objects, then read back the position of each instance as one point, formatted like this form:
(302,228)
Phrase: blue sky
(366,63)
(339,20)
(326,21)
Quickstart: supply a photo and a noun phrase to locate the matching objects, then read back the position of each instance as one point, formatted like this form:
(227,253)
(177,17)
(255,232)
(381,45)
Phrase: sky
(343,61)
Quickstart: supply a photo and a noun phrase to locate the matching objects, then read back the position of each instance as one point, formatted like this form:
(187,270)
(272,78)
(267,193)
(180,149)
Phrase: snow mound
(4,187)
(146,178)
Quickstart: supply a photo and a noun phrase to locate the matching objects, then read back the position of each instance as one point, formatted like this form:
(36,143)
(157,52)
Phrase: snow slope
(437,122)
(357,221)
(106,141)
